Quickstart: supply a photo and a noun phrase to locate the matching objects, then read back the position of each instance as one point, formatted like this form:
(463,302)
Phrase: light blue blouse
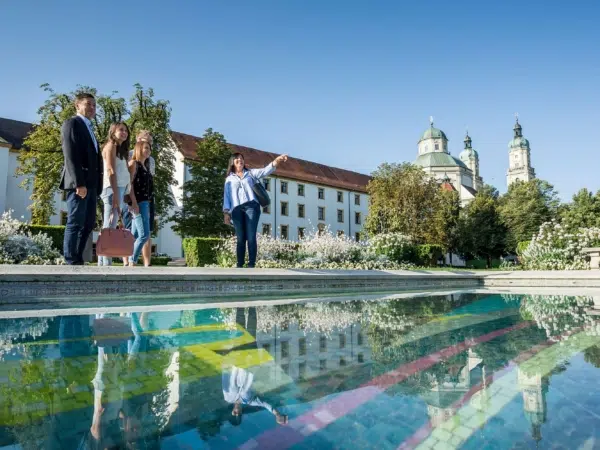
(238,190)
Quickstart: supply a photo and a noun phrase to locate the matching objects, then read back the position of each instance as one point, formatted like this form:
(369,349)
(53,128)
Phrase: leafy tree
(202,210)
(447,217)
(404,199)
(525,207)
(41,160)
(481,233)
(583,211)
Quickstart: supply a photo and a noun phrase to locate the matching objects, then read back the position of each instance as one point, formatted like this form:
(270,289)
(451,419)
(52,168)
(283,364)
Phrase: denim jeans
(107,198)
(81,217)
(245,221)
(140,227)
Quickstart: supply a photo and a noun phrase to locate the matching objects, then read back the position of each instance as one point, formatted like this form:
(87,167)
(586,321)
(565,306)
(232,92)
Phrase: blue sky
(346,83)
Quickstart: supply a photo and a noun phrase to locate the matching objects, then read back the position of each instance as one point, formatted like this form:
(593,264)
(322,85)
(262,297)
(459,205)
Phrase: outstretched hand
(279,159)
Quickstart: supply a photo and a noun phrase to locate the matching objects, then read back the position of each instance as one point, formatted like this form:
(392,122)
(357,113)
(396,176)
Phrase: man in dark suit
(81,177)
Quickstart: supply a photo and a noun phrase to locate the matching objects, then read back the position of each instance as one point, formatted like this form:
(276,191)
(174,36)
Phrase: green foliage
(483,264)
(428,254)
(54,232)
(201,251)
(582,212)
(396,246)
(202,210)
(525,207)
(160,260)
(521,246)
(41,159)
(481,233)
(404,199)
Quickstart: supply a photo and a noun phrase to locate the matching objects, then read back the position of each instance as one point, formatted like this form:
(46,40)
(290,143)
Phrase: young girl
(116,177)
(142,191)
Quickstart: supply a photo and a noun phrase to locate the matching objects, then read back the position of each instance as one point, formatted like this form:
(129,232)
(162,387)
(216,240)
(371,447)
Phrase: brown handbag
(115,243)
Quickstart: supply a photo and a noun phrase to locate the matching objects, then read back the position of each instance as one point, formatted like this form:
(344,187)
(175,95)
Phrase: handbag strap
(112,215)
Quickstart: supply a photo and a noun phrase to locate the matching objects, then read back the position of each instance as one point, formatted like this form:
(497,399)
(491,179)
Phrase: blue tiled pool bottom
(458,371)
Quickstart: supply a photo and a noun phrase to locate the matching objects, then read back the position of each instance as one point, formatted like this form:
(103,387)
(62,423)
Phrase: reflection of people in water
(114,419)
(237,382)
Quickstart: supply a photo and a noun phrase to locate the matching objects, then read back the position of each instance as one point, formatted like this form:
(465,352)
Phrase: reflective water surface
(467,371)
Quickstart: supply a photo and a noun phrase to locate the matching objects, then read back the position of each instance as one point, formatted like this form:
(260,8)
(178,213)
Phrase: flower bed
(315,251)
(19,246)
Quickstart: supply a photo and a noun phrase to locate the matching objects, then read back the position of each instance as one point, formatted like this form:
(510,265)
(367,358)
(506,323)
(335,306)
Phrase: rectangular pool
(462,370)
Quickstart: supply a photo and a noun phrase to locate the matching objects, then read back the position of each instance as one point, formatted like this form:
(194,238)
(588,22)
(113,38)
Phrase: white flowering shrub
(324,317)
(396,246)
(554,248)
(559,315)
(14,331)
(317,250)
(20,247)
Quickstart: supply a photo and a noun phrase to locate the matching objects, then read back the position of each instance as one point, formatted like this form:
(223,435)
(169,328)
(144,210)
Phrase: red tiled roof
(446,186)
(294,169)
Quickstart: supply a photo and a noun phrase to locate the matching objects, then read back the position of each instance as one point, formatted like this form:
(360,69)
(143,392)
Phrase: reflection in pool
(451,371)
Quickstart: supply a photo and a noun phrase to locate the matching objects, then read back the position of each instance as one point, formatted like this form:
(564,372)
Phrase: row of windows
(322,365)
(284,211)
(320,193)
(285,233)
(285,345)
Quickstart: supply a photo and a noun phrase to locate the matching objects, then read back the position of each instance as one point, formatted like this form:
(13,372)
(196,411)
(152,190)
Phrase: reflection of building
(459,378)
(534,389)
(308,354)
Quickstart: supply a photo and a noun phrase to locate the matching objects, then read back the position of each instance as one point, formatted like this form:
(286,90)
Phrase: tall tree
(202,210)
(525,207)
(583,211)
(41,159)
(404,199)
(481,232)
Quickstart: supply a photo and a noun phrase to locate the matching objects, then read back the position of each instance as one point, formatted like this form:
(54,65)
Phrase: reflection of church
(446,392)
(534,389)
(444,398)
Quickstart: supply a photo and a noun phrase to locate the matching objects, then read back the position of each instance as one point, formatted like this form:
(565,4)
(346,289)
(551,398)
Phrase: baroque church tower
(519,164)
(471,159)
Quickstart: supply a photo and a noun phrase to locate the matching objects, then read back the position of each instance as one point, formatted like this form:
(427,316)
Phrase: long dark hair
(123,148)
(231,167)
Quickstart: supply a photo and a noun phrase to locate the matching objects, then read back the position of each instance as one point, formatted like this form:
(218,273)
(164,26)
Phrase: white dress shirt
(237,387)
(88,124)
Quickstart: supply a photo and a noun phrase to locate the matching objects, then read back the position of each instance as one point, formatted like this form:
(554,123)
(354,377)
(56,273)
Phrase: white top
(121,171)
(88,124)
(237,387)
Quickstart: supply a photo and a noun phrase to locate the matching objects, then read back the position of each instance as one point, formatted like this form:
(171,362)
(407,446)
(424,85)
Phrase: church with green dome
(459,174)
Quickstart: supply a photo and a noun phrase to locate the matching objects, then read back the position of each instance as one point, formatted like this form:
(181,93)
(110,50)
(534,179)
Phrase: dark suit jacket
(83,161)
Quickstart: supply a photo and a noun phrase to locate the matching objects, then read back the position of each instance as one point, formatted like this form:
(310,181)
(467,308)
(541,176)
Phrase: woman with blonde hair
(116,180)
(141,194)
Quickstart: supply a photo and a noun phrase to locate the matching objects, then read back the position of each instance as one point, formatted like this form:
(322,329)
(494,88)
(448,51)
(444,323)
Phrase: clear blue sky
(346,83)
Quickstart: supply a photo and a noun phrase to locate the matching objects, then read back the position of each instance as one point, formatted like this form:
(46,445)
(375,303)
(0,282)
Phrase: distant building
(458,174)
(519,154)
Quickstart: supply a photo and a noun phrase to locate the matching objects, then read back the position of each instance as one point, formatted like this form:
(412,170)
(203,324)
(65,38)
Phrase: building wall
(519,166)
(17,198)
(4,181)
(284,345)
(273,216)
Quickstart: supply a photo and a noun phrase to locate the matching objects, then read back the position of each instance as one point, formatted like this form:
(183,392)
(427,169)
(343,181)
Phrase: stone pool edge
(36,284)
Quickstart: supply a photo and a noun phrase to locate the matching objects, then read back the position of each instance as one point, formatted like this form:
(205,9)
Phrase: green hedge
(481,263)
(160,260)
(200,251)
(428,254)
(54,232)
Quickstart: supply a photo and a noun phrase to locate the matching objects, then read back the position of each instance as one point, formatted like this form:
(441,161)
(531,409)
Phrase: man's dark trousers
(81,218)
